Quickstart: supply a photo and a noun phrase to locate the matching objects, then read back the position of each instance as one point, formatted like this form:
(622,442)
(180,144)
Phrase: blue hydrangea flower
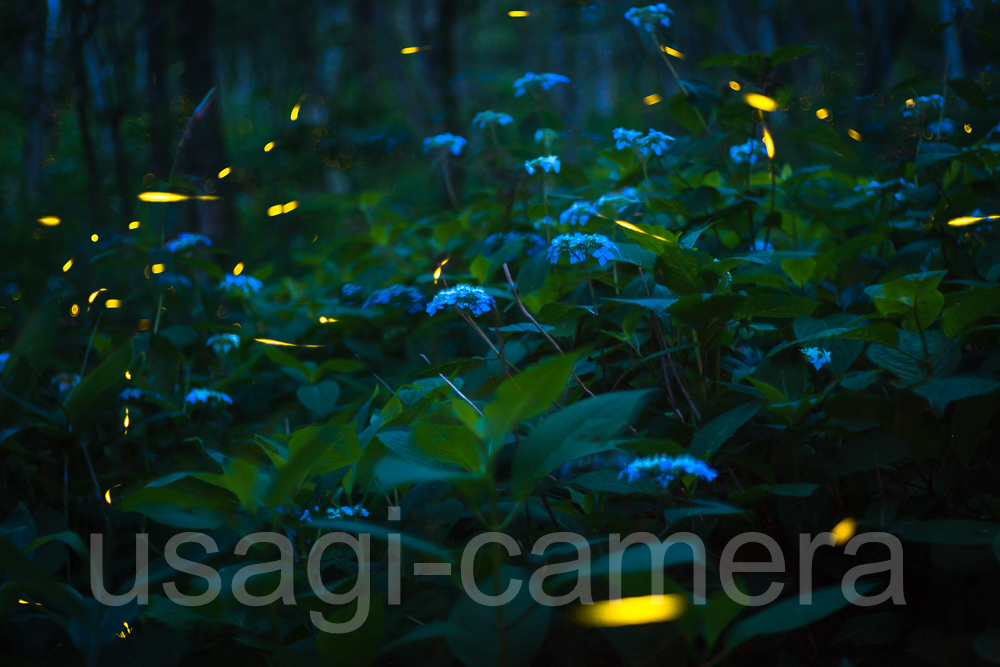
(449,141)
(203,396)
(223,343)
(535,242)
(246,284)
(66,381)
(751,150)
(922,105)
(947,127)
(816,356)
(186,241)
(350,288)
(530,80)
(653,141)
(132,394)
(625,138)
(759,246)
(546,163)
(578,246)
(483,118)
(346,510)
(397,295)
(650,15)
(663,469)
(578,213)
(463,296)
(4,356)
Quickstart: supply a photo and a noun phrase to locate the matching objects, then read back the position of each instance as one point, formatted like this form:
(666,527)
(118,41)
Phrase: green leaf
(951,531)
(313,451)
(321,398)
(524,327)
(941,391)
(790,614)
(635,254)
(733,60)
(973,306)
(800,270)
(713,434)
(525,395)
(785,53)
(915,296)
(533,274)
(577,430)
(701,507)
(690,237)
(754,493)
(16,564)
(682,112)
(99,383)
(971,92)
(700,312)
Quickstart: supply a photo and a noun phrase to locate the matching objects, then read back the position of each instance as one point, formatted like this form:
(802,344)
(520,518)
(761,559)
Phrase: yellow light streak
(268,146)
(672,52)
(74,310)
(758,101)
(323,319)
(170,197)
(225,172)
(734,85)
(67,265)
(290,206)
(628,225)
(238,269)
(50,221)
(822,113)
(108,494)
(274,210)
(518,13)
(159,268)
(650,100)
(968,129)
(113,303)
(632,611)
(94,237)
(854,135)
(134,225)
(844,531)
(909,104)
(90,299)
(295,112)
(413,49)
(768,143)
(437,271)
(128,375)
(965,221)
(268,341)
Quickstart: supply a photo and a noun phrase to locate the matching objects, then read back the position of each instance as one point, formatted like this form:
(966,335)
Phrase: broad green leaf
(634,254)
(533,274)
(785,53)
(682,112)
(915,296)
(973,306)
(321,398)
(313,451)
(16,564)
(941,391)
(800,270)
(713,434)
(99,383)
(971,92)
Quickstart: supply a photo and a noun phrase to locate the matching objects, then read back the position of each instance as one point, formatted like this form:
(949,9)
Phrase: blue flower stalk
(491,119)
(465,297)
(451,144)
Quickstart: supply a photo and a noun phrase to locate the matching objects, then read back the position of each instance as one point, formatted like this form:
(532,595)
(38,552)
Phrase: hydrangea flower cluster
(246,284)
(922,105)
(448,141)
(484,118)
(617,202)
(947,127)
(654,141)
(186,241)
(650,15)
(535,242)
(546,163)
(223,343)
(751,150)
(578,246)
(816,357)
(530,80)
(66,381)
(132,394)
(397,295)
(625,138)
(578,213)
(4,356)
(203,396)
(346,510)
(663,469)
(463,296)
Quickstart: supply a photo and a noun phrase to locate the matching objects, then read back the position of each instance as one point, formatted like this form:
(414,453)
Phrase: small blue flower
(922,105)
(751,150)
(66,381)
(245,284)
(223,343)
(132,394)
(650,15)
(578,246)
(4,356)
(397,295)
(449,141)
(346,510)
(947,127)
(663,469)
(816,356)
(186,241)
(531,80)
(536,244)
(625,138)
(203,396)
(546,163)
(654,141)
(463,296)
(759,246)
(578,213)
(483,118)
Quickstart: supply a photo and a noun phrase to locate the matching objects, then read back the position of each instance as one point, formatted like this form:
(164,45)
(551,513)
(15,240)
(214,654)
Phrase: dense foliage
(684,332)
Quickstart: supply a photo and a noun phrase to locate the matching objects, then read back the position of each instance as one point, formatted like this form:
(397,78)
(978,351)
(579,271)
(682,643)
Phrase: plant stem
(478,330)
(447,182)
(90,344)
